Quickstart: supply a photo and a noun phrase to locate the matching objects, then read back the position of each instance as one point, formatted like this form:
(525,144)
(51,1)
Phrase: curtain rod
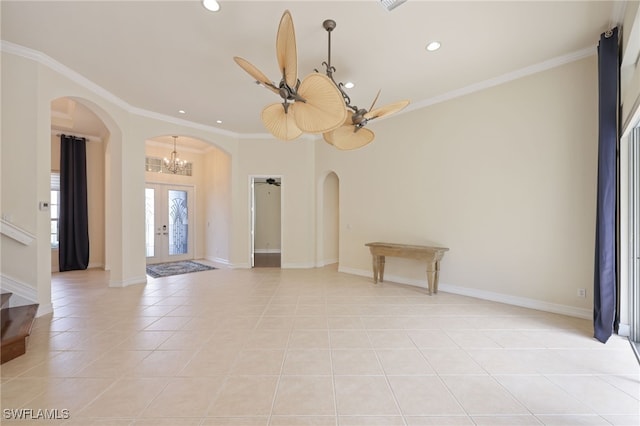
(89,138)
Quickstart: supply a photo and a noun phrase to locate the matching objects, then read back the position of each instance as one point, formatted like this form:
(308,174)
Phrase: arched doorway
(72,117)
(201,193)
(329,220)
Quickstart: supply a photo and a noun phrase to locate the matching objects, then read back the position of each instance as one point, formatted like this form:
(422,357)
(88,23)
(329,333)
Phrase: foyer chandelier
(174,164)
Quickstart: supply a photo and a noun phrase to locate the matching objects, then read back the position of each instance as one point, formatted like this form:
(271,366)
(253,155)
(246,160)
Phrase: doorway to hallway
(266,227)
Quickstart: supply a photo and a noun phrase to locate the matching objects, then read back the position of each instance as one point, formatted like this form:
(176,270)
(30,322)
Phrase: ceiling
(166,56)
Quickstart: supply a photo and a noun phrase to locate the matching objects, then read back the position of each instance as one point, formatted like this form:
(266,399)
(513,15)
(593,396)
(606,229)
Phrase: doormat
(176,268)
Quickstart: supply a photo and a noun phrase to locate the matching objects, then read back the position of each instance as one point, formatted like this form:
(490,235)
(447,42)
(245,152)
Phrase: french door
(168,222)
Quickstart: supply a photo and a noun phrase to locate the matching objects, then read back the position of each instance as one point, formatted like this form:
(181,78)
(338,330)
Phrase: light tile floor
(310,347)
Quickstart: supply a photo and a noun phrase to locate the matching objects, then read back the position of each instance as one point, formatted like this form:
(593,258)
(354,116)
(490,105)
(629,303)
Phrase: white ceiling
(163,56)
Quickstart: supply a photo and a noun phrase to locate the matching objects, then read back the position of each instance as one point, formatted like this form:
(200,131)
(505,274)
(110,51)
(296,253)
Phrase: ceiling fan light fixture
(391,4)
(433,46)
(211,5)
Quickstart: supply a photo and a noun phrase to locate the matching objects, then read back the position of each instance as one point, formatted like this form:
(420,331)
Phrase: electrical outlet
(582,292)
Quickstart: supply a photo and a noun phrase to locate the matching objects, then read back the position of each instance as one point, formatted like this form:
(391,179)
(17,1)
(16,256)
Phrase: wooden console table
(432,255)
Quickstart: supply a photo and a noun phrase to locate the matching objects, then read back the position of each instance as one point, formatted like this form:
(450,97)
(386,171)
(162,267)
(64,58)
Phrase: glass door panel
(167,214)
(178,222)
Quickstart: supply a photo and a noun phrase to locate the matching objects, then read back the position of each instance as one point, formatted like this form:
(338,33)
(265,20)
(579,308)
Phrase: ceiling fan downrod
(329,25)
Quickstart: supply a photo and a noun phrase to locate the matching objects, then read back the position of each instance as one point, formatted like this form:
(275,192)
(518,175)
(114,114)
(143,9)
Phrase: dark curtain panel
(73,225)
(605,279)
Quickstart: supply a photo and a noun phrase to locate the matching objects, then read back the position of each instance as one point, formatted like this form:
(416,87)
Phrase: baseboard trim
(128,282)
(624,330)
(218,260)
(55,268)
(301,265)
(524,302)
(44,310)
(23,294)
(325,262)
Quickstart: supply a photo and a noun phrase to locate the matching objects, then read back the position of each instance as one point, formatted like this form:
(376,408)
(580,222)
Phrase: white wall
(504,177)
(19,172)
(218,206)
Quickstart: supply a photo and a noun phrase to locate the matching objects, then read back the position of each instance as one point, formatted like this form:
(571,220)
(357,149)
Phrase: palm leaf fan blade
(286,50)
(328,136)
(349,137)
(254,72)
(281,124)
(375,100)
(386,110)
(323,108)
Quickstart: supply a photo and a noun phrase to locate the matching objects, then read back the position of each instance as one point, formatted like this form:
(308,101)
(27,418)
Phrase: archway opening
(73,118)
(330,235)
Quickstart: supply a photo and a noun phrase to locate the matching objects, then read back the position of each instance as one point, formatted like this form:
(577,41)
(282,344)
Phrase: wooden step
(16,327)
(4,298)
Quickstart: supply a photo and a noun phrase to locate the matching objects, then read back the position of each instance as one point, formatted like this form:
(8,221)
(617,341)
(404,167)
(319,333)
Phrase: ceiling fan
(269,181)
(313,105)
(353,134)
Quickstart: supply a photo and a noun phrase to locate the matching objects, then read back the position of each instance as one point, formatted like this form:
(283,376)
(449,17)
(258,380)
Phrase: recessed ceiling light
(181,111)
(433,46)
(349,85)
(219,121)
(211,5)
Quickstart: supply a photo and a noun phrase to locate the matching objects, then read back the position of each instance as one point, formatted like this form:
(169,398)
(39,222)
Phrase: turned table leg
(375,268)
(381,267)
(433,273)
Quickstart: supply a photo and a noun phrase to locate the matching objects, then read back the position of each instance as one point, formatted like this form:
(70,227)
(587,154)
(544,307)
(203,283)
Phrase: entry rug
(176,268)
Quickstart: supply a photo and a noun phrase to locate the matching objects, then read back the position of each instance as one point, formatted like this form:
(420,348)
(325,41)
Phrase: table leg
(381,267)
(433,273)
(375,268)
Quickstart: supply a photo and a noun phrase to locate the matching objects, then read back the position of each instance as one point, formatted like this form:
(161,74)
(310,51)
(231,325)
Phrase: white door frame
(252,216)
(191,192)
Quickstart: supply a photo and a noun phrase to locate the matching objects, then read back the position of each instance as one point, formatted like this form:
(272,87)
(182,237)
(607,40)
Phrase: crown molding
(505,78)
(51,63)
